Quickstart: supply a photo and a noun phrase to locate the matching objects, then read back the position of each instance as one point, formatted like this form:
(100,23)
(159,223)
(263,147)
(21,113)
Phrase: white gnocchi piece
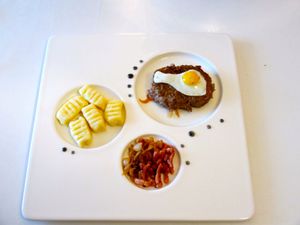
(93,96)
(94,117)
(80,131)
(115,113)
(70,109)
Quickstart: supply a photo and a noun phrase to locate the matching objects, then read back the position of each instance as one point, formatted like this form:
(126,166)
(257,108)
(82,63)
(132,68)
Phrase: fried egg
(190,82)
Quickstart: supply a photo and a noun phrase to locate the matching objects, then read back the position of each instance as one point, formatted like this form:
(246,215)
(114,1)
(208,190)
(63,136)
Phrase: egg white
(175,80)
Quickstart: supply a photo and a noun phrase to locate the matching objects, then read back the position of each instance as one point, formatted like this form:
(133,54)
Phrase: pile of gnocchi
(90,112)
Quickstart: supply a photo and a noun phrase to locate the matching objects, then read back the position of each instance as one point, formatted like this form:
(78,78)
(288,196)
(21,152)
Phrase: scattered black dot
(182,145)
(73,152)
(64,149)
(135,68)
(129,95)
(141,61)
(129,85)
(208,126)
(130,76)
(192,133)
(265,64)
(187,162)
(222,120)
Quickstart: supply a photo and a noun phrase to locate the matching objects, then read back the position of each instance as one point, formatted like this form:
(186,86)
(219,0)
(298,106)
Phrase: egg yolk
(190,78)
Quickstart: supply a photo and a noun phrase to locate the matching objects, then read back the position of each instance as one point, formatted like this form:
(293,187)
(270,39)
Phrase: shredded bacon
(149,162)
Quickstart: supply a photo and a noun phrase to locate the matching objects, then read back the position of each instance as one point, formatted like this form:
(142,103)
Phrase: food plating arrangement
(148,162)
(125,120)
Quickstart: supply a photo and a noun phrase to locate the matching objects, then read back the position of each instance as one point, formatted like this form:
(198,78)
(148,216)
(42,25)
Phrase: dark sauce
(192,133)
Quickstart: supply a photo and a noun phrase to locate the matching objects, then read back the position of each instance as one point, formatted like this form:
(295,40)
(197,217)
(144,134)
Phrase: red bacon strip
(150,162)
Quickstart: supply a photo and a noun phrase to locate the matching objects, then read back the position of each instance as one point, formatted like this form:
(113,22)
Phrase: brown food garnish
(149,162)
(146,100)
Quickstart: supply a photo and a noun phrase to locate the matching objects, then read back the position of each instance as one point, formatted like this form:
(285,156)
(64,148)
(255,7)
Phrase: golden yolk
(190,78)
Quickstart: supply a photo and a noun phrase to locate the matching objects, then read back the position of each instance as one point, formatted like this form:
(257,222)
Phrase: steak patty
(169,97)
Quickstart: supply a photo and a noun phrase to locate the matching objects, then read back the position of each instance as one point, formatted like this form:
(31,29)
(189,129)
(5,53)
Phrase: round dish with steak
(180,87)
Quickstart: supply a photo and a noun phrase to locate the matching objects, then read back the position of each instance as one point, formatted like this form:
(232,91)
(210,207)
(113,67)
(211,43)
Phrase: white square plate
(87,184)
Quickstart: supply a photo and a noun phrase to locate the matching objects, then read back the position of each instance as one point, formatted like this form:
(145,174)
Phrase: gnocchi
(93,96)
(70,109)
(94,117)
(115,113)
(89,112)
(80,131)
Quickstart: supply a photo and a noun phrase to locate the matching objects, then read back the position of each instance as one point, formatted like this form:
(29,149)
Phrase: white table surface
(266,37)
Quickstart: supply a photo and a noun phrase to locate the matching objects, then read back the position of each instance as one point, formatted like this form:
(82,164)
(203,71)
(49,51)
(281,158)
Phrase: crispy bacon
(150,165)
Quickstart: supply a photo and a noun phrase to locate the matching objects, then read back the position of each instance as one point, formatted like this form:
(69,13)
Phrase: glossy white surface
(266,40)
(89,185)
